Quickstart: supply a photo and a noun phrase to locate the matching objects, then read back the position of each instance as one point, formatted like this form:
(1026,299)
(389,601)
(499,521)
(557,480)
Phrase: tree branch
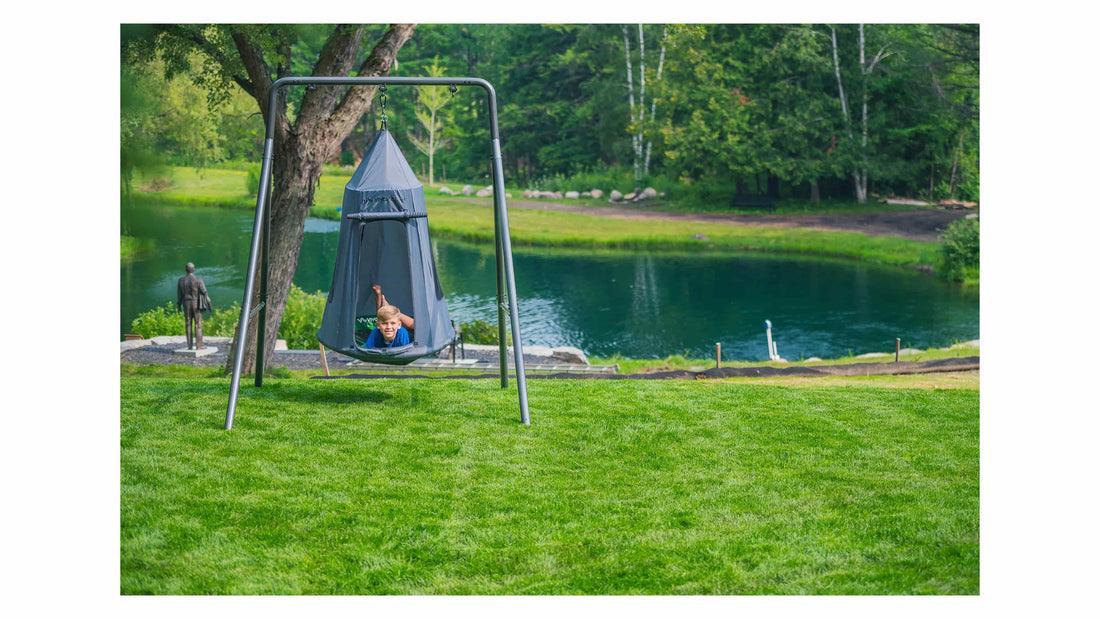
(260,75)
(335,60)
(357,99)
(208,47)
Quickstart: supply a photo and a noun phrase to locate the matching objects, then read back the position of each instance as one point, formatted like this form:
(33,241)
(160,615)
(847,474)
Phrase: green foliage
(167,320)
(960,254)
(252,181)
(482,332)
(302,318)
(163,320)
(606,179)
(737,105)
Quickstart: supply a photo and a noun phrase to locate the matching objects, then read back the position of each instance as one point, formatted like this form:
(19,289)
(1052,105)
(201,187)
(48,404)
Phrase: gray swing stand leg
(506,284)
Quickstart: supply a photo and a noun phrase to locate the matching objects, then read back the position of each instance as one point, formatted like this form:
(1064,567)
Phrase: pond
(638,304)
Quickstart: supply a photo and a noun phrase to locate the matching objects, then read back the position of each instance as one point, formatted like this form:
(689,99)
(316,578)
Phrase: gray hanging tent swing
(384,241)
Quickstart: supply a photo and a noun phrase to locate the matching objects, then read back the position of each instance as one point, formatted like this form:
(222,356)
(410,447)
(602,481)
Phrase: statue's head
(190,267)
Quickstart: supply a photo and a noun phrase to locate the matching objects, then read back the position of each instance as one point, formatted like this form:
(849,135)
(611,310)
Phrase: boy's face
(389,328)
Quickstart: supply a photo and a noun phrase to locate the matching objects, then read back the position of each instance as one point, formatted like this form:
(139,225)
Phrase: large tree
(252,57)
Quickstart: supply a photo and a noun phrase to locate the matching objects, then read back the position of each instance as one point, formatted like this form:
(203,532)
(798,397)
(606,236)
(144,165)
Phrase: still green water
(638,304)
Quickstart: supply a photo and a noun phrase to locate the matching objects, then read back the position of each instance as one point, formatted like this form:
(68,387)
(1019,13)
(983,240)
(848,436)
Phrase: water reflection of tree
(645,302)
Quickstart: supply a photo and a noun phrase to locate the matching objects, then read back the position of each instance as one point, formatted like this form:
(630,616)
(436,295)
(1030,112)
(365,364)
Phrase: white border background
(60,446)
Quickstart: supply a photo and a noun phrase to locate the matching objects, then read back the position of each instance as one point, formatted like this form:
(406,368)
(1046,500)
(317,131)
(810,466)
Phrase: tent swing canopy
(384,240)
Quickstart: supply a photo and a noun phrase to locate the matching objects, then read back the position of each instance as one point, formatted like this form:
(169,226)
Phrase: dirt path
(917,225)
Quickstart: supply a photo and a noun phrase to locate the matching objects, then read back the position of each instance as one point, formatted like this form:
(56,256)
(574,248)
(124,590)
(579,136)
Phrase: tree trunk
(431,151)
(641,102)
(954,168)
(815,192)
(327,116)
(630,91)
(653,102)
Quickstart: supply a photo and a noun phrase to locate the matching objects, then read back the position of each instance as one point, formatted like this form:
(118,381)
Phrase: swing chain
(382,89)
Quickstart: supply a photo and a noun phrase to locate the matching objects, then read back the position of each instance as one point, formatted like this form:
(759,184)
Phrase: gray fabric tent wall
(384,240)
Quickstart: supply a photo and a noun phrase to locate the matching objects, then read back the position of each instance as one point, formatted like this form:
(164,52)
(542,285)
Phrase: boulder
(646,194)
(445,190)
(527,193)
(597,193)
(586,194)
(615,196)
(467,190)
(568,354)
(572,195)
(132,344)
(630,197)
(484,193)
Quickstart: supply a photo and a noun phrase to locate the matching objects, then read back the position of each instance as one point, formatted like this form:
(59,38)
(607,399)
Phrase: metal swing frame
(506,280)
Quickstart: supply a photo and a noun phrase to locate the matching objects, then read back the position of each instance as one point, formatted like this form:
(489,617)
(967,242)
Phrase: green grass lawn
(616,487)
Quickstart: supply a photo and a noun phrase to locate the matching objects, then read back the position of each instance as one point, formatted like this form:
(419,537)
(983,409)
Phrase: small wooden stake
(324,360)
(718,352)
(897,350)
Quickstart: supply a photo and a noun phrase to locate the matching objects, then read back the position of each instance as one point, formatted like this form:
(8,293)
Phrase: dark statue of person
(192,298)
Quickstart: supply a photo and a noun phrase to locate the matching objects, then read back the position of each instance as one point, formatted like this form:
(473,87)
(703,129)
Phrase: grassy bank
(679,362)
(617,487)
(472,219)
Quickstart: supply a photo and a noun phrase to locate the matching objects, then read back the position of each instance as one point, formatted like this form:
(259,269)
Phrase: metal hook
(453,89)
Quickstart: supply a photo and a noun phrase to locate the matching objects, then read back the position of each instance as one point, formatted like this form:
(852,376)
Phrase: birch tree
(641,146)
(431,100)
(860,172)
(653,104)
(635,138)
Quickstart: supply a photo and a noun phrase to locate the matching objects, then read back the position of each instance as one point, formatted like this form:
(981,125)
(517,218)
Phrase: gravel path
(165,354)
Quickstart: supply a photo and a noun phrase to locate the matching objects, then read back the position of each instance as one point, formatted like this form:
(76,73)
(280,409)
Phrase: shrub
(301,319)
(960,254)
(167,320)
(604,179)
(163,320)
(481,332)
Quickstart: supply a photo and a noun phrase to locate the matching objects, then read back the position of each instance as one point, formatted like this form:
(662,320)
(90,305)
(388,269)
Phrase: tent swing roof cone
(397,205)
(384,240)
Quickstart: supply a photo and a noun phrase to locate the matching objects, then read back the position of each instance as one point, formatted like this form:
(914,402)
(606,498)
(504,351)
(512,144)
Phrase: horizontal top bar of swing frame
(384,216)
(368,81)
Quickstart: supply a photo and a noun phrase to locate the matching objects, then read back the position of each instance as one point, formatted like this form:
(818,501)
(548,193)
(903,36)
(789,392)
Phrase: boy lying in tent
(393,326)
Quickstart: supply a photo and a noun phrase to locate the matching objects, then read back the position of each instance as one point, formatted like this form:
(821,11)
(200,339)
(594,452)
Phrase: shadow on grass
(334,394)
